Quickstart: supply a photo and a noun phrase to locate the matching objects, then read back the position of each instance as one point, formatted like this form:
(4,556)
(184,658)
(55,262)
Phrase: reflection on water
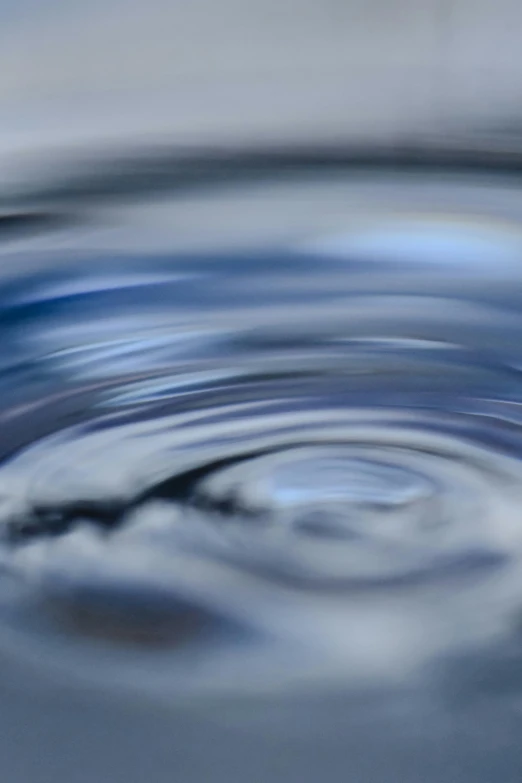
(262,458)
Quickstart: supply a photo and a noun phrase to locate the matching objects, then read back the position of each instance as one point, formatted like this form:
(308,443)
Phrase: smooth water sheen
(287,471)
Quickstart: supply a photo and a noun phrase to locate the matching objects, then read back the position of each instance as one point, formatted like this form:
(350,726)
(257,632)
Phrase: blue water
(268,495)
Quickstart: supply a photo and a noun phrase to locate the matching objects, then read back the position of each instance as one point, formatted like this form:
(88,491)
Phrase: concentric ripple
(207,458)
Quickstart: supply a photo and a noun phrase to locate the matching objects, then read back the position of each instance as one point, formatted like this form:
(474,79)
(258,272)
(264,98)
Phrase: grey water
(261,476)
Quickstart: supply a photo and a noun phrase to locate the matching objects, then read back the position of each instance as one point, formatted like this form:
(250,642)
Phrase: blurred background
(243,72)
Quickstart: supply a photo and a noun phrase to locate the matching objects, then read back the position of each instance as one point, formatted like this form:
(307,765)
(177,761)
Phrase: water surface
(261,479)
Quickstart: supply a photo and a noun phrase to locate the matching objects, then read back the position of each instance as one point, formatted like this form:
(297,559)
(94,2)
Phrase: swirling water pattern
(290,469)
